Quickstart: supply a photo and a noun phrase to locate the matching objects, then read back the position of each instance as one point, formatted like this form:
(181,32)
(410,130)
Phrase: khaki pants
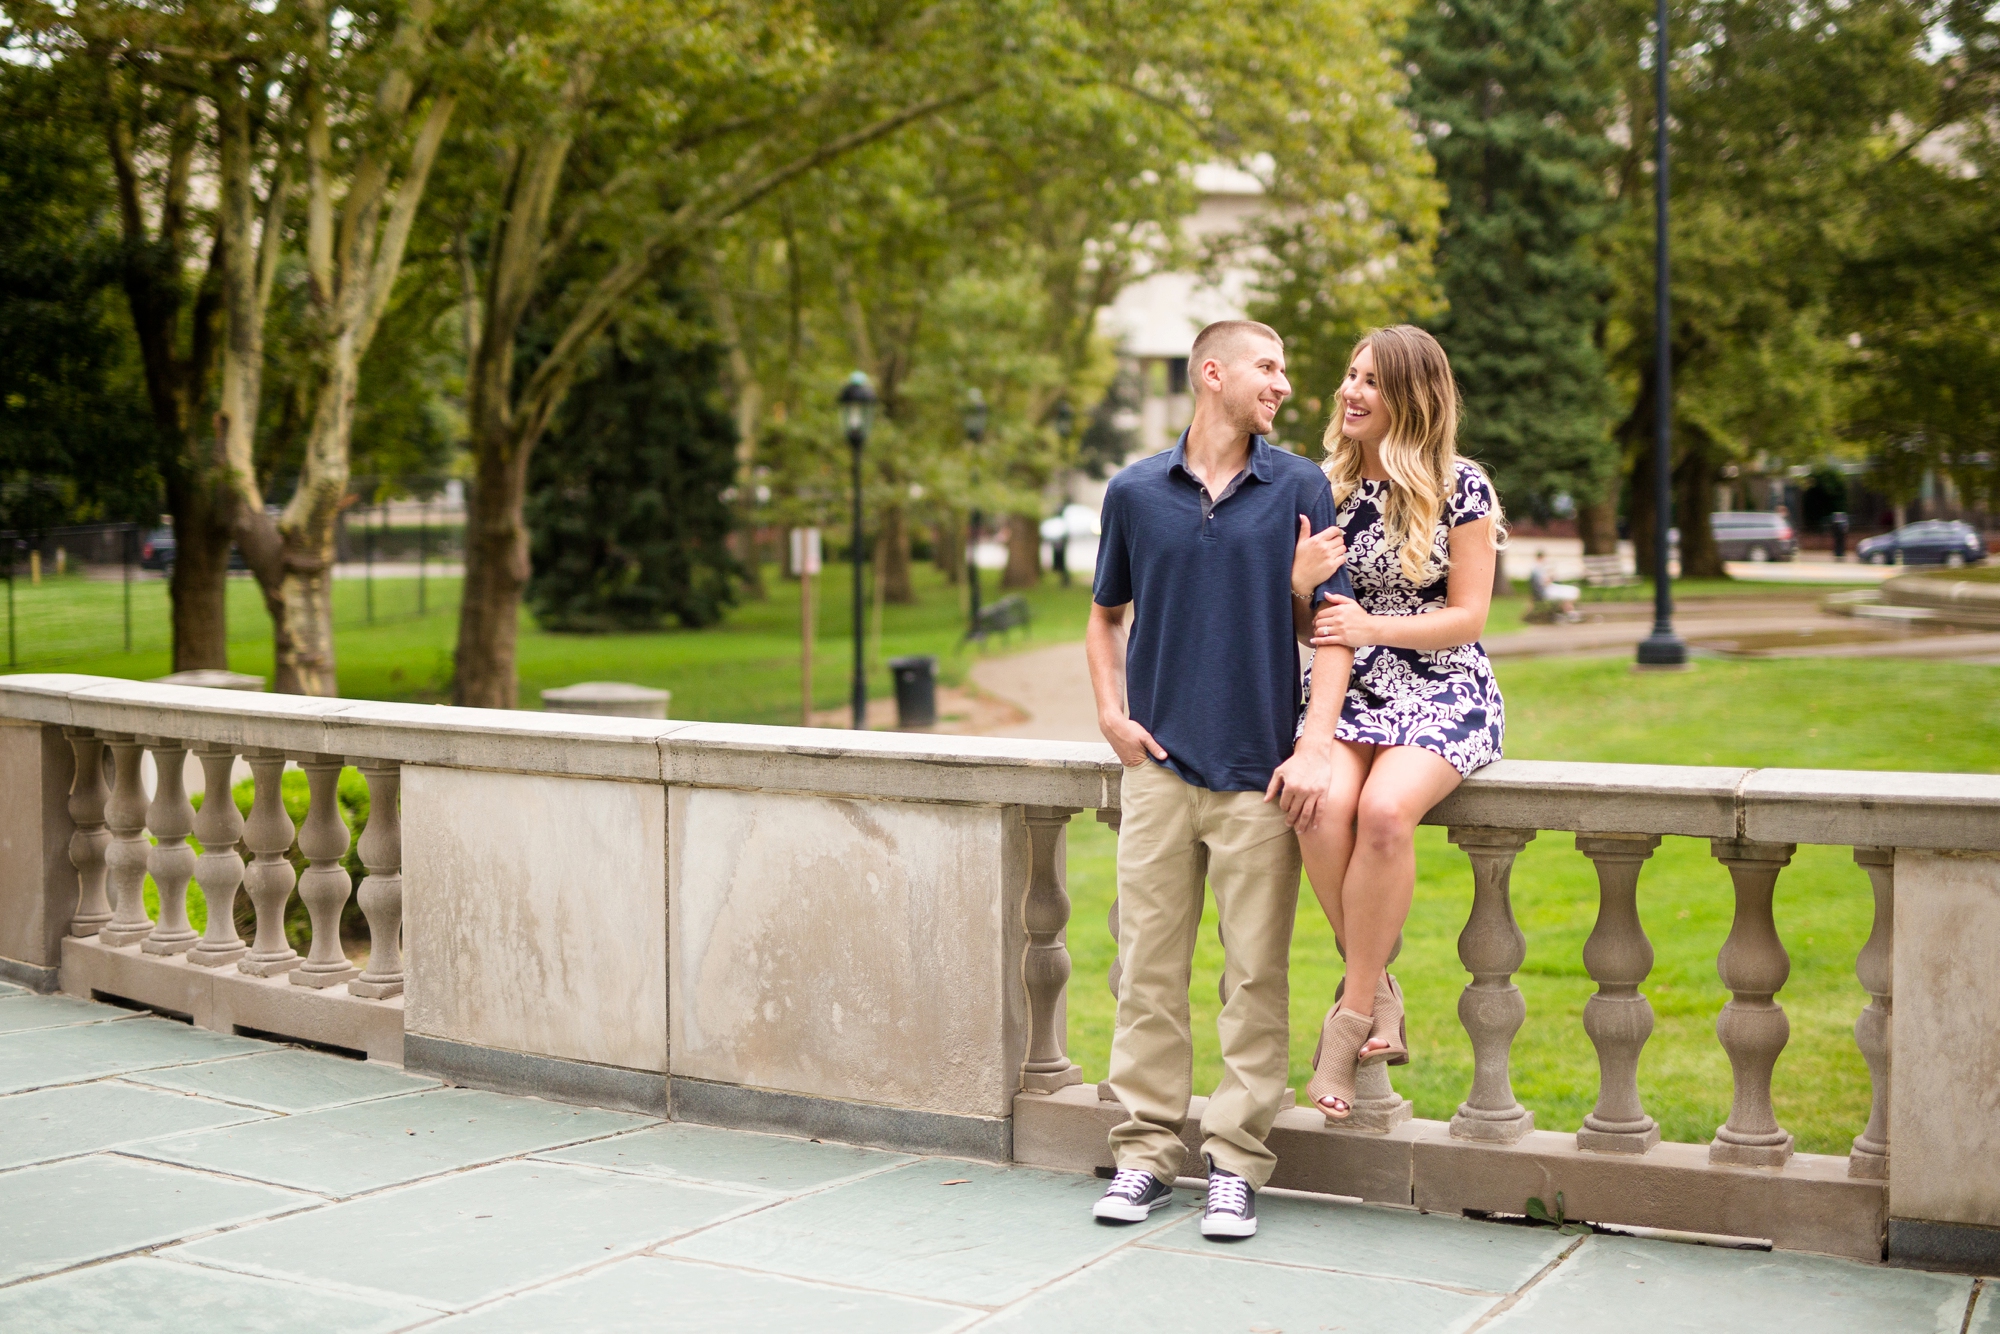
(1172,836)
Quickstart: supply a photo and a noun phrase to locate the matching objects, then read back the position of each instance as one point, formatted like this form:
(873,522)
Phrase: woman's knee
(1383,822)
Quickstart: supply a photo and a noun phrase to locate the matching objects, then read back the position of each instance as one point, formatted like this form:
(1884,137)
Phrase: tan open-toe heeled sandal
(1389,992)
(1340,1039)
(1390,1027)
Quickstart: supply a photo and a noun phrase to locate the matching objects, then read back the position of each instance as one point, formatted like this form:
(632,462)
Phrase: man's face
(1253,384)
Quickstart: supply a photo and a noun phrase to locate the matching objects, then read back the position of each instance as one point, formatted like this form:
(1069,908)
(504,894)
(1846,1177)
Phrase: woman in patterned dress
(1422,710)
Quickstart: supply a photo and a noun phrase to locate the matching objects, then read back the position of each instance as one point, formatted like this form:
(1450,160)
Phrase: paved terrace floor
(159,1177)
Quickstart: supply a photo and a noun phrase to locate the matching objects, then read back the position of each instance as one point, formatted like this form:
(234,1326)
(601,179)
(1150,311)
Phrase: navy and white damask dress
(1444,700)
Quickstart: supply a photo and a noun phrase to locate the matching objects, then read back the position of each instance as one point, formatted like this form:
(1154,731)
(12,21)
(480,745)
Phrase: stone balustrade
(864,936)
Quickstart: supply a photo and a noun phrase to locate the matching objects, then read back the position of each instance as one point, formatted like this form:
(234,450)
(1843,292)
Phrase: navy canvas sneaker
(1133,1195)
(1232,1205)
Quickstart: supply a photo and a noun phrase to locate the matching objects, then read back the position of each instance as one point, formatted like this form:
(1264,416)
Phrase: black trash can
(916,691)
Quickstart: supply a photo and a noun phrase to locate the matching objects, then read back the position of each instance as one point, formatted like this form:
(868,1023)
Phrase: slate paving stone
(47,1056)
(1392,1243)
(9,989)
(347,1150)
(1660,1287)
(468,1238)
(86,1118)
(998,1236)
(23,1012)
(146,1296)
(738,1158)
(289,1081)
(63,1214)
(1986,1310)
(1143,1291)
(649,1293)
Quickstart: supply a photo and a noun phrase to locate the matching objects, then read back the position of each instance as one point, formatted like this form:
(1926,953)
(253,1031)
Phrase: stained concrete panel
(863,950)
(1944,1080)
(535,914)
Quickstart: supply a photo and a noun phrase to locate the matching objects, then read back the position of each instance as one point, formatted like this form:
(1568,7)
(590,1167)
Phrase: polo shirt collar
(1259,466)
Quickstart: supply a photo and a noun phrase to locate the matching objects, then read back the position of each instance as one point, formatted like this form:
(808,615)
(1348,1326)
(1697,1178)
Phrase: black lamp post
(975,432)
(1662,648)
(857,410)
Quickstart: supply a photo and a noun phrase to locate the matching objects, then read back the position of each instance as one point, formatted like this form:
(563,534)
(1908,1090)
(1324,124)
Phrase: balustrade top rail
(1878,809)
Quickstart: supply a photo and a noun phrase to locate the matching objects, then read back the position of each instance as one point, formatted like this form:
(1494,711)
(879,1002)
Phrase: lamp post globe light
(1663,647)
(975,432)
(857,411)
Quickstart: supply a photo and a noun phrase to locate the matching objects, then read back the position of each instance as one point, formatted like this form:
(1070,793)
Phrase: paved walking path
(156,1177)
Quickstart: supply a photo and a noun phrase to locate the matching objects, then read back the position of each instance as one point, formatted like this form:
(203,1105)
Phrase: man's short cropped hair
(1219,341)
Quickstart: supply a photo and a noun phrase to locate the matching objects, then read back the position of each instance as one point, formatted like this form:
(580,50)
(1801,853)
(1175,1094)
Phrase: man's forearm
(1106,656)
(1331,669)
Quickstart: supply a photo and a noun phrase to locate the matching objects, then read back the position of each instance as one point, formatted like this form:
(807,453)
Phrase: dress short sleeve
(1112,586)
(1472,497)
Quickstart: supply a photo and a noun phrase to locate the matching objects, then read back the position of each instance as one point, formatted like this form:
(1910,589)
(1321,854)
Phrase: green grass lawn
(1860,714)
(744,670)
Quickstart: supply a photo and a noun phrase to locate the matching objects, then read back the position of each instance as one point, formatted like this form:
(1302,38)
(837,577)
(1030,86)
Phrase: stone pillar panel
(38,884)
(535,914)
(862,950)
(1944,1072)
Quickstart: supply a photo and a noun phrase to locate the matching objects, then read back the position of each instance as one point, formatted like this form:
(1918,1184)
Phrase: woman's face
(1363,414)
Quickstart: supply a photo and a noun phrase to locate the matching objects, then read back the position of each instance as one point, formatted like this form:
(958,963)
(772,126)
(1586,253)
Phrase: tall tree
(1515,115)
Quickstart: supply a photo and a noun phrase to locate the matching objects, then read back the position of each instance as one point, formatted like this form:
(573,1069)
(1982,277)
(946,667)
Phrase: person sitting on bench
(1543,588)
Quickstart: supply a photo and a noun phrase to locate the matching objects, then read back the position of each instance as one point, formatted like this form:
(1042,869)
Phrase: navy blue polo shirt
(1210,666)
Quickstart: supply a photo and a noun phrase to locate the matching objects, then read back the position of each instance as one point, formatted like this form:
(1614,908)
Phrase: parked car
(156,552)
(1929,542)
(1754,535)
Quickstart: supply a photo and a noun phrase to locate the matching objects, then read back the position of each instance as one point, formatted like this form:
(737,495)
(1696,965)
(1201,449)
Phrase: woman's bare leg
(1403,784)
(1326,848)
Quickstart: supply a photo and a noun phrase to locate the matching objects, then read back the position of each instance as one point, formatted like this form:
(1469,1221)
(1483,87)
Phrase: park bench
(1605,572)
(1007,614)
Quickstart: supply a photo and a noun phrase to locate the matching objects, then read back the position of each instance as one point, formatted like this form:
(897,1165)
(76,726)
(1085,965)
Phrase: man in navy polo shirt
(1201,704)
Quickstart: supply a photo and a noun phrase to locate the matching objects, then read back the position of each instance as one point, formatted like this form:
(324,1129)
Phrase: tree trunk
(199,591)
(1502,585)
(948,547)
(892,553)
(1597,524)
(1694,495)
(1024,552)
(496,573)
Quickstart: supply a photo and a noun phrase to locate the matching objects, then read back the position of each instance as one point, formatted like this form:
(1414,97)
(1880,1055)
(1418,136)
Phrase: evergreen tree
(1504,92)
(627,519)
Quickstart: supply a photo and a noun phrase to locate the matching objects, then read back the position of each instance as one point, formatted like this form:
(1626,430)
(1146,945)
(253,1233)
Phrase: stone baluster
(1377,1106)
(1045,964)
(1491,1008)
(381,891)
(1618,1018)
(1752,1026)
(219,826)
(87,846)
(269,877)
(125,857)
(325,884)
(1869,1158)
(1111,817)
(171,860)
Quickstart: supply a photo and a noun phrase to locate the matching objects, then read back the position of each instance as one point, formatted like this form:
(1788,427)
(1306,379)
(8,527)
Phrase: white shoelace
(1227,1194)
(1131,1182)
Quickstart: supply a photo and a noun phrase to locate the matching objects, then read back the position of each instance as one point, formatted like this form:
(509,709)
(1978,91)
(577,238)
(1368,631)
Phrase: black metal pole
(1662,648)
(856,440)
(423,551)
(129,536)
(972,559)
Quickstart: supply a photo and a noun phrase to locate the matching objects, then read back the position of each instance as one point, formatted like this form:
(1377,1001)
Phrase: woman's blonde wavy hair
(1420,452)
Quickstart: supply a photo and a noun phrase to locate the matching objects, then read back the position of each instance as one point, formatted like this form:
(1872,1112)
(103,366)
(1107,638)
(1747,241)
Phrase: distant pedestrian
(1837,521)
